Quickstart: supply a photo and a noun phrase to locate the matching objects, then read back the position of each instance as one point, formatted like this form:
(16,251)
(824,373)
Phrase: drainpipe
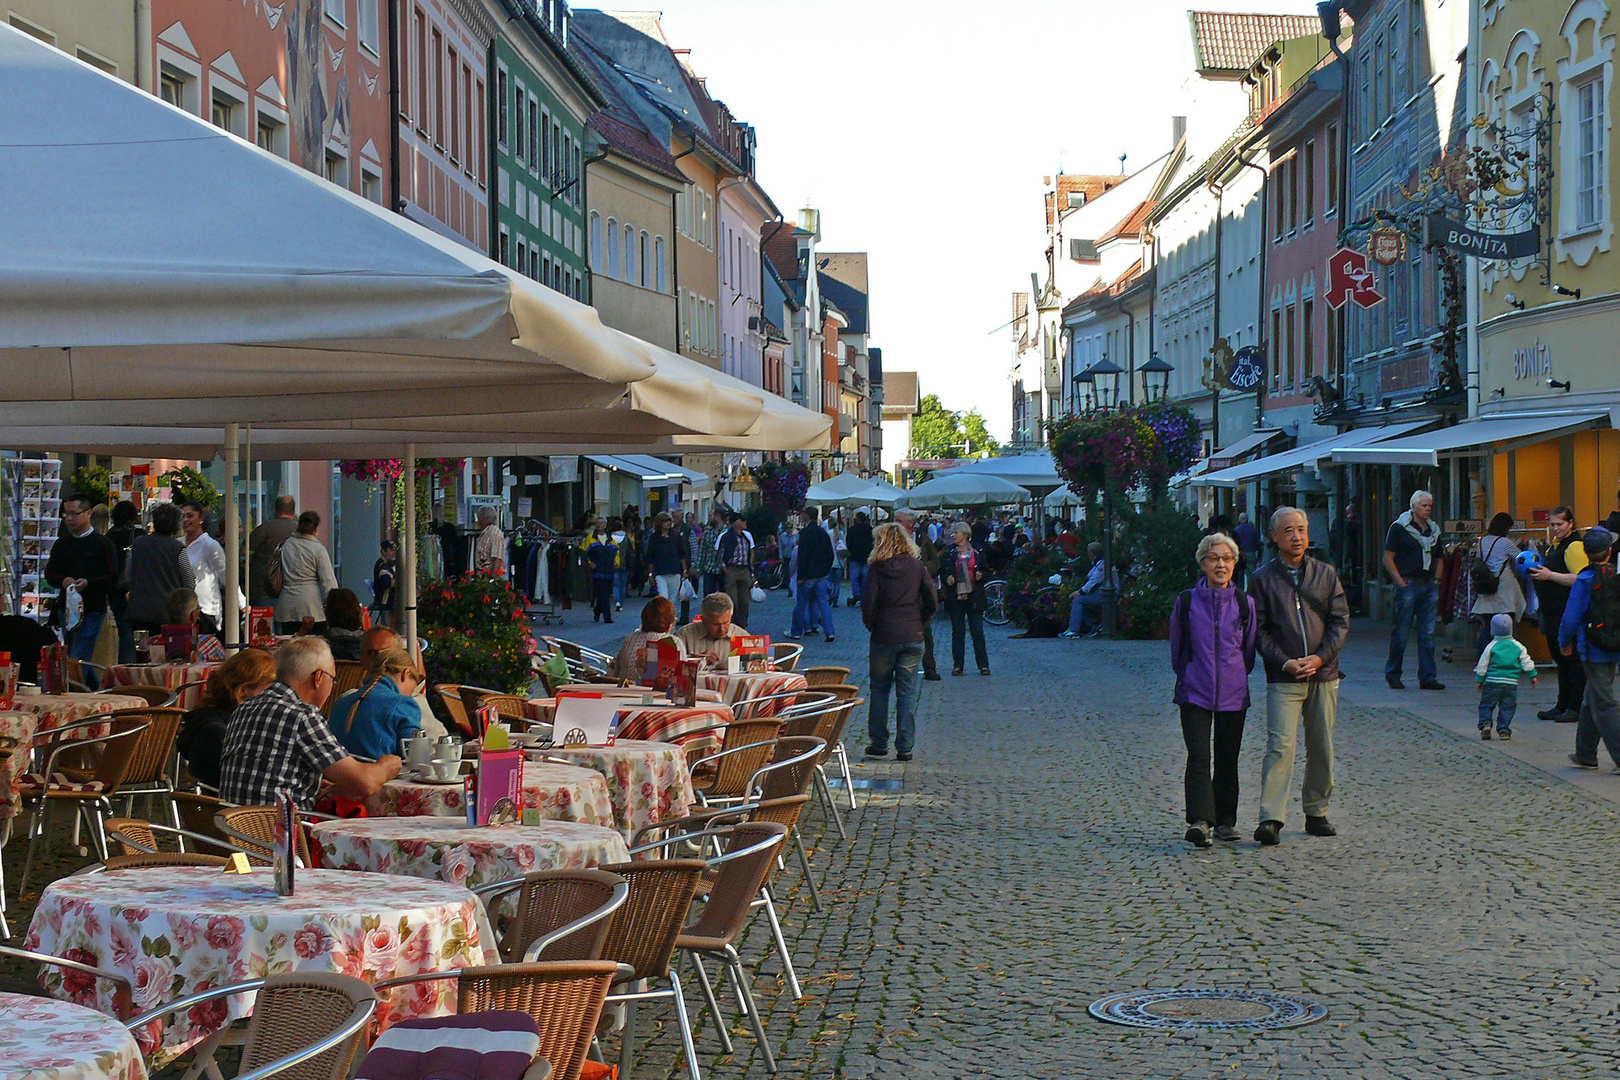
(143,47)
(1260,303)
(674,246)
(585,198)
(394,31)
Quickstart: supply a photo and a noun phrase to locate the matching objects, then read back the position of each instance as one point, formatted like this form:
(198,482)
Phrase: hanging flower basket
(384,470)
(1177,442)
(782,485)
(1106,451)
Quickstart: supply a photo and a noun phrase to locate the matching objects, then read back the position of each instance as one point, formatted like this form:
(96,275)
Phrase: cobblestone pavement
(1032,862)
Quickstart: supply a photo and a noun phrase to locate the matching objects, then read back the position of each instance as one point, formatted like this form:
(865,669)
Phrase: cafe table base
(180,930)
(45,1039)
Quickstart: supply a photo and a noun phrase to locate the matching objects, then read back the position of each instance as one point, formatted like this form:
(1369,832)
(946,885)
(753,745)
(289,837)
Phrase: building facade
(442,148)
(103,35)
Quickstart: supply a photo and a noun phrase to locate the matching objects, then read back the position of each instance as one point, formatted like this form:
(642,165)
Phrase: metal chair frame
(124,989)
(491,894)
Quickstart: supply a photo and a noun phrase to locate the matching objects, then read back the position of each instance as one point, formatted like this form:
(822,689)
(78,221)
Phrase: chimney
(1178,130)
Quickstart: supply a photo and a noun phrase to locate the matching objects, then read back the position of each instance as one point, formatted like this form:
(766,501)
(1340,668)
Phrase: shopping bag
(757,595)
(72,606)
(687,591)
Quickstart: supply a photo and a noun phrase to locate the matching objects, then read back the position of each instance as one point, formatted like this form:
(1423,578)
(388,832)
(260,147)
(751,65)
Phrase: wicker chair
(642,937)
(197,815)
(90,791)
(828,725)
(252,828)
(306,1025)
(508,706)
(137,836)
(785,655)
(350,674)
(450,698)
(154,753)
(743,870)
(8,746)
(157,696)
(577,654)
(724,774)
(550,901)
(825,676)
(564,997)
(162,859)
(841,691)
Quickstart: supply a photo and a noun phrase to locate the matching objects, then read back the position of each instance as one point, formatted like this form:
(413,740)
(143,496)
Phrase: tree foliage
(938,432)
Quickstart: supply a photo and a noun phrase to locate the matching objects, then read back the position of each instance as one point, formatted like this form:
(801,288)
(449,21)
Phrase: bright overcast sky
(922,132)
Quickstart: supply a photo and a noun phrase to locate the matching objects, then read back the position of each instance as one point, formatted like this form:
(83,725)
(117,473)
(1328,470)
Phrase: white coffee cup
(445,770)
(448,749)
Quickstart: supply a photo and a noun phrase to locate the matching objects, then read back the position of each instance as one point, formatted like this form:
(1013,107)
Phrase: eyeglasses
(1219,559)
(329,674)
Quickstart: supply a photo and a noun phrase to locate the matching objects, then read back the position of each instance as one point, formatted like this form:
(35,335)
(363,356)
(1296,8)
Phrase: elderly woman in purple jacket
(1212,652)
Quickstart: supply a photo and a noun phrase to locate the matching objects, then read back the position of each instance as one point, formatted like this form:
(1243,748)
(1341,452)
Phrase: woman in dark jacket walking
(1212,652)
(157,566)
(897,600)
(963,570)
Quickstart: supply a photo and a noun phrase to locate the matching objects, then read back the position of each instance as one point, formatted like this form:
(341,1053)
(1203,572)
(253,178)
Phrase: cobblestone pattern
(1034,862)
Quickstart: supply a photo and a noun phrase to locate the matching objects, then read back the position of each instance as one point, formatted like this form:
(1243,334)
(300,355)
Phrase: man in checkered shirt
(279,740)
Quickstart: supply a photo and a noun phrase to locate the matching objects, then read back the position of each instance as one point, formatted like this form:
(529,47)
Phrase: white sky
(922,132)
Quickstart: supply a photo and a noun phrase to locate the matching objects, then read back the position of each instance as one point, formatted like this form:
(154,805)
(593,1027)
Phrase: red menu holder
(262,626)
(53,669)
(753,652)
(661,663)
(8,681)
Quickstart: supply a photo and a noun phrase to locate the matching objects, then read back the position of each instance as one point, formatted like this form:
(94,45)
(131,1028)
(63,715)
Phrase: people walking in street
(157,566)
(811,606)
(208,566)
(1563,559)
(264,545)
(666,559)
(858,544)
(1500,666)
(928,552)
(1301,621)
(602,553)
(1251,545)
(897,601)
(1344,548)
(963,571)
(1496,584)
(383,573)
(1589,631)
(737,566)
(1212,632)
(126,526)
(1409,554)
(306,578)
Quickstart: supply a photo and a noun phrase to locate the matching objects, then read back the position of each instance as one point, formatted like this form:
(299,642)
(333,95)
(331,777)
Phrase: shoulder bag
(1485,580)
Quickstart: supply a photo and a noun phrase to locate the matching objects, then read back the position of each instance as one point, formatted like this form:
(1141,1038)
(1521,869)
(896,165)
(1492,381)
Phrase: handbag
(1485,580)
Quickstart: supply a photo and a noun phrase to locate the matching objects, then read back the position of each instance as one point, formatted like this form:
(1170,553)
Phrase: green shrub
(1160,545)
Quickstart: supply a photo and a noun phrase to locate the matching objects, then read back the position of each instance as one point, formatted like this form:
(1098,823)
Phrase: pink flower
(458,863)
(209,1015)
(312,941)
(183,932)
(76,983)
(125,949)
(381,949)
(523,856)
(416,955)
(153,977)
(224,933)
(565,798)
(413,849)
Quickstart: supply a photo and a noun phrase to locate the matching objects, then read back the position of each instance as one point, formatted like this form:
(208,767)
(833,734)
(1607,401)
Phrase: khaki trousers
(1287,704)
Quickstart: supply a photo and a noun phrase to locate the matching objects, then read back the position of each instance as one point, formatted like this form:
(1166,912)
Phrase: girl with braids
(371,721)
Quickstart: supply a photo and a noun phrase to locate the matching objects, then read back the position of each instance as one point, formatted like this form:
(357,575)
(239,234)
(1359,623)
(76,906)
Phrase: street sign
(1350,278)
(1386,246)
(1470,241)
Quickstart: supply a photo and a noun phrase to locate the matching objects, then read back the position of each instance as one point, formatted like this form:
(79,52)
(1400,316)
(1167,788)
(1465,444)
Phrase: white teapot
(417,750)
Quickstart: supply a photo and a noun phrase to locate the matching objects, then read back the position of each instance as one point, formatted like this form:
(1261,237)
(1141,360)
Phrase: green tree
(976,435)
(938,432)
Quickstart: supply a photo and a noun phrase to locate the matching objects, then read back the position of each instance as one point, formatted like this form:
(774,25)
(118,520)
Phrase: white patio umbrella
(1062,498)
(878,492)
(833,491)
(956,489)
(1034,470)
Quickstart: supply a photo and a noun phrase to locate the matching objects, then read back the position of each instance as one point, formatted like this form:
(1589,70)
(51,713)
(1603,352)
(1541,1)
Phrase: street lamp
(1081,380)
(1156,378)
(1105,377)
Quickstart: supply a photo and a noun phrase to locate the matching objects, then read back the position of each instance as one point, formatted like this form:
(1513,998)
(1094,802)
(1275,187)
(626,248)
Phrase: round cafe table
(59,710)
(655,723)
(45,1039)
(649,781)
(19,725)
(746,686)
(178,930)
(451,851)
(168,676)
(551,792)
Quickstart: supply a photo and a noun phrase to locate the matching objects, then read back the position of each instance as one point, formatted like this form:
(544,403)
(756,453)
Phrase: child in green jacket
(1500,667)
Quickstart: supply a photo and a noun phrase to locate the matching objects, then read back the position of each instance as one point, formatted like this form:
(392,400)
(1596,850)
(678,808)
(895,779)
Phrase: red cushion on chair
(33,783)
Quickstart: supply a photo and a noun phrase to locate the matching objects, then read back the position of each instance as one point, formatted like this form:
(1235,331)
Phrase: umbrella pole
(408,570)
(233,541)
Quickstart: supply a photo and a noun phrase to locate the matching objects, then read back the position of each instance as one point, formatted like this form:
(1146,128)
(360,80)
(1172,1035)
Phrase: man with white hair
(1301,622)
(279,741)
(489,553)
(1409,556)
(711,635)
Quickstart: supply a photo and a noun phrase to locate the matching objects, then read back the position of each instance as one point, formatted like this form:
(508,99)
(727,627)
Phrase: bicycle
(995,603)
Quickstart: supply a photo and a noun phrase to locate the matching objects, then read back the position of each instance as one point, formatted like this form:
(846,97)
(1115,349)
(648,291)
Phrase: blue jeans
(811,607)
(82,638)
(965,618)
(899,667)
(126,635)
(621,579)
(1415,605)
(1077,610)
(1501,699)
(857,580)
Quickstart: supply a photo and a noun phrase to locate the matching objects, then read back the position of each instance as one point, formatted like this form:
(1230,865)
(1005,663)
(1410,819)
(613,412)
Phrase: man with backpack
(1410,549)
(1590,630)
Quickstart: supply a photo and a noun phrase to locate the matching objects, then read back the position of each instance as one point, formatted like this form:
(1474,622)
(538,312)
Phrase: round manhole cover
(1188,1008)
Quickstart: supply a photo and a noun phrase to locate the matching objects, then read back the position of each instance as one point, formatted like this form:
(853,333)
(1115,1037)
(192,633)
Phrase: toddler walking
(1497,673)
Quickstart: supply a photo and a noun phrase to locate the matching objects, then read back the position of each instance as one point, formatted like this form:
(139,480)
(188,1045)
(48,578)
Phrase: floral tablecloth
(449,850)
(656,723)
(555,792)
(45,1039)
(59,710)
(648,781)
(16,724)
(745,687)
(168,676)
(181,930)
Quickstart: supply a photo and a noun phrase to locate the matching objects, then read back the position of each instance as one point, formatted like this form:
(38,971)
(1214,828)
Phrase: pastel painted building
(443,109)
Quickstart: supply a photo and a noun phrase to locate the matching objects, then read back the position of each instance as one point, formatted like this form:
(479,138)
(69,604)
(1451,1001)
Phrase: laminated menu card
(661,663)
(500,786)
(583,718)
(8,681)
(753,652)
(282,851)
(177,642)
(262,626)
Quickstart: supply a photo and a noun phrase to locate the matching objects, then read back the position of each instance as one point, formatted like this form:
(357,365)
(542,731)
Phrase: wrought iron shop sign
(1471,241)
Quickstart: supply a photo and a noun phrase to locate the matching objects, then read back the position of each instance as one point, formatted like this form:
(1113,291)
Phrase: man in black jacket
(1302,621)
(810,602)
(858,545)
(83,557)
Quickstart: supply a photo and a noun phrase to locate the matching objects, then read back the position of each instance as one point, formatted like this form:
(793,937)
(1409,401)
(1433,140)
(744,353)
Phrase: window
(562,177)
(454,142)
(1364,102)
(534,261)
(554,166)
(226,113)
(421,71)
(370,185)
(1293,194)
(1308,212)
(464,117)
(519,145)
(545,147)
(545,272)
(438,89)
(644,271)
(1308,340)
(503,109)
(1278,177)
(503,247)
(1590,153)
(337,168)
(629,253)
(612,248)
(522,264)
(578,196)
(596,242)
(1332,171)
(658,263)
(37,32)
(334,11)
(708,220)
(366,12)
(1335,333)
(534,133)
(479,148)
(1417,50)
(175,87)
(271,135)
(98,62)
(1276,346)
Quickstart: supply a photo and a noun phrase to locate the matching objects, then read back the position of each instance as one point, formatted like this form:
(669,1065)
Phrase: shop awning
(1303,456)
(1426,448)
(646,469)
(1227,456)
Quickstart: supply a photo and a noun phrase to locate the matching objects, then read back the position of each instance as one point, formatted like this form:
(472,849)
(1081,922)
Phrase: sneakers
(1227,833)
(1504,734)
(831,639)
(1198,835)
(1320,826)
(1394,682)
(1582,764)
(984,671)
(1431,684)
(956,671)
(1485,733)
(1070,634)
(1269,833)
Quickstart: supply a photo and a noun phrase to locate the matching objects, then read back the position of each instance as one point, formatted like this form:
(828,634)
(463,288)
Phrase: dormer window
(1077,199)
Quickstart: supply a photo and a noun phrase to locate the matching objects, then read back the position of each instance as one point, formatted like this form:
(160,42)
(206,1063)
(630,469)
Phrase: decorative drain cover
(1207,1010)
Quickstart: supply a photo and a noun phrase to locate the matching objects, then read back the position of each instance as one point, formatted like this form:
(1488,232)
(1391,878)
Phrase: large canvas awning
(1302,456)
(1426,448)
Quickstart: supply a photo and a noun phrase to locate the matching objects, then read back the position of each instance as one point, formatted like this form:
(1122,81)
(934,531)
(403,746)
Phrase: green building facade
(539,105)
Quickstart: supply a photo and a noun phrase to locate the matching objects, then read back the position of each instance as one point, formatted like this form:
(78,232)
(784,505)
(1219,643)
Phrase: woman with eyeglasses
(1212,652)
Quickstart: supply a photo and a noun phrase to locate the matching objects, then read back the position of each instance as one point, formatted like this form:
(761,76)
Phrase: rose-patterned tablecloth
(555,792)
(450,850)
(656,723)
(59,710)
(649,781)
(180,930)
(45,1039)
(168,676)
(636,692)
(746,687)
(15,724)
